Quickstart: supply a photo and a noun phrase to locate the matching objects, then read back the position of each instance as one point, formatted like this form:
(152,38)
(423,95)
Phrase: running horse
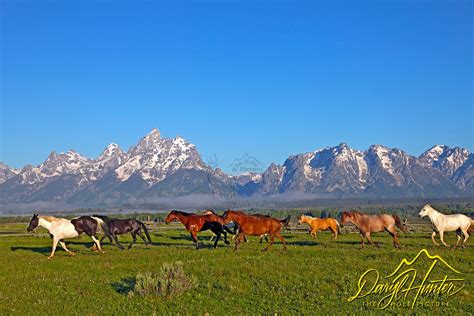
(115,226)
(447,223)
(367,224)
(318,224)
(62,228)
(256,226)
(197,223)
(232,227)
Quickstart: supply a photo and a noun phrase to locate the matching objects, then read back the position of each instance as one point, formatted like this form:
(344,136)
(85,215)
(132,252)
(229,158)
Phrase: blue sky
(269,79)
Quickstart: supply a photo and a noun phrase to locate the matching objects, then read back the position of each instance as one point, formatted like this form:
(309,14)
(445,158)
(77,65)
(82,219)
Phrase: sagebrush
(170,281)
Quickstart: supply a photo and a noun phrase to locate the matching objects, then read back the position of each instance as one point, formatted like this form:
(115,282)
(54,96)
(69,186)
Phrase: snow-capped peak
(112,150)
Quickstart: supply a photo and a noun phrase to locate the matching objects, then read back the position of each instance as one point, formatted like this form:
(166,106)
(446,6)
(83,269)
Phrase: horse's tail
(471,227)
(145,230)
(338,226)
(399,224)
(285,222)
(100,222)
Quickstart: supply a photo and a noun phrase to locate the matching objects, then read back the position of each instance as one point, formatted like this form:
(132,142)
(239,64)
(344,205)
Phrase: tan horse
(318,224)
(367,224)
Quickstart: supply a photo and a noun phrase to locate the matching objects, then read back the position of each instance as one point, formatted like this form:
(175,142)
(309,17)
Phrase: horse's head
(346,216)
(425,211)
(228,216)
(171,216)
(33,223)
(303,219)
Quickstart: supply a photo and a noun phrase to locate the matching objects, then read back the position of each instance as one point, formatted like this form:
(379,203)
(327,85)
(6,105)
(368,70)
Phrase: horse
(114,226)
(367,224)
(232,227)
(318,224)
(256,226)
(197,223)
(62,228)
(447,223)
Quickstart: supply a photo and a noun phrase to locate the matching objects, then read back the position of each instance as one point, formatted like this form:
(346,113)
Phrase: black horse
(114,226)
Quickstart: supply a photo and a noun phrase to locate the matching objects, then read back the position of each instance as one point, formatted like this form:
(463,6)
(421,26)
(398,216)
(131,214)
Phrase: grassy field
(312,277)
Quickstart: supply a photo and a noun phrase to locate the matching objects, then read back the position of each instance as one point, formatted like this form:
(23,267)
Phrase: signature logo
(246,163)
(431,279)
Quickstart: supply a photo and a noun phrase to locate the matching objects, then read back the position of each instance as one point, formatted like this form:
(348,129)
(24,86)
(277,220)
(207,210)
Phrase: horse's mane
(182,213)
(355,212)
(102,217)
(49,218)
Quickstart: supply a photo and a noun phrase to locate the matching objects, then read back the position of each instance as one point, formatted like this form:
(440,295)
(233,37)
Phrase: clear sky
(269,79)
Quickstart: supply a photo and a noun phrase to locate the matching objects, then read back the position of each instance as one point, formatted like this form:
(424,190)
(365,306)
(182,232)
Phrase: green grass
(312,277)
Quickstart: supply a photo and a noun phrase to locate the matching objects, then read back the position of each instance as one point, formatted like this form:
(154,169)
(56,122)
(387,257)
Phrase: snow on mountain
(445,159)
(153,158)
(156,167)
(6,172)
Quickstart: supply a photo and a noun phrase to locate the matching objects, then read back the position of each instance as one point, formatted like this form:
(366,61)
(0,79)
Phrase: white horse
(62,228)
(447,223)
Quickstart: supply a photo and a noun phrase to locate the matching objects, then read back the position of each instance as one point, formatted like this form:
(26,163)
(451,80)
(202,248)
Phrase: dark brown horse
(367,224)
(197,223)
(119,226)
(256,226)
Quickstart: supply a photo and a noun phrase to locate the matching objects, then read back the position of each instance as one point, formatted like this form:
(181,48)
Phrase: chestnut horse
(233,228)
(318,224)
(256,226)
(197,223)
(367,224)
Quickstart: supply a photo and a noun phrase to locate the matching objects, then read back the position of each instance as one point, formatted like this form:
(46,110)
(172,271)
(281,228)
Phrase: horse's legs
(212,237)
(262,237)
(361,240)
(466,236)
(239,237)
(314,232)
(218,236)
(433,234)
(225,237)
(393,233)
(139,232)
(282,240)
(63,244)
(117,242)
(195,239)
(96,241)
(272,241)
(458,234)
(134,239)
(441,236)
(55,244)
(370,239)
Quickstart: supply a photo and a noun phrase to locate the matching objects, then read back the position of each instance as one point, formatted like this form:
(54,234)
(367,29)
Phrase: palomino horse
(256,226)
(447,223)
(197,223)
(61,228)
(318,224)
(367,224)
(114,226)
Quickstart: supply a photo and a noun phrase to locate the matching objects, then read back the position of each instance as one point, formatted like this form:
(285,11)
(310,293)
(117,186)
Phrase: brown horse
(367,224)
(197,223)
(256,226)
(318,224)
(232,227)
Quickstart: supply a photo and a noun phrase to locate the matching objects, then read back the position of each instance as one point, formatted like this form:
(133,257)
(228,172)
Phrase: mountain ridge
(158,167)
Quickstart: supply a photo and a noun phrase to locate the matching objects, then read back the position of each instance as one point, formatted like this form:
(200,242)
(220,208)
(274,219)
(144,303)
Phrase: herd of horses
(241,225)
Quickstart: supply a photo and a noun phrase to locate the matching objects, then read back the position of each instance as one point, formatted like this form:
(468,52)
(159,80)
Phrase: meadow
(314,276)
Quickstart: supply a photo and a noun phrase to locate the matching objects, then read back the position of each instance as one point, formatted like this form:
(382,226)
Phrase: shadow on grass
(42,250)
(124,286)
(303,243)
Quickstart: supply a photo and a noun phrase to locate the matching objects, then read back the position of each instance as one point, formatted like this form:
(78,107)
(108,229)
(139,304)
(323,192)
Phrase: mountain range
(158,168)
